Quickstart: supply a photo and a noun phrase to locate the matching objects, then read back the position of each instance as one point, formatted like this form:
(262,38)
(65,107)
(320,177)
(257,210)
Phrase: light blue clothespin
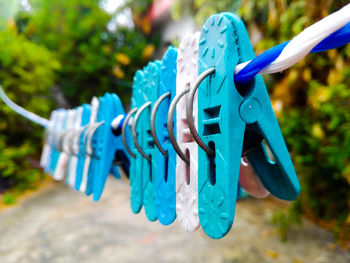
(232,121)
(165,162)
(150,85)
(58,129)
(85,119)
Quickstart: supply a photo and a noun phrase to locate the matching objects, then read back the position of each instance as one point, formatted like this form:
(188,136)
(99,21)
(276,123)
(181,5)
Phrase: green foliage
(76,32)
(315,100)
(9,199)
(27,73)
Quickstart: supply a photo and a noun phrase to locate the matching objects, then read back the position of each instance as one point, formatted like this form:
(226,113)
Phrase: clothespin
(57,131)
(86,183)
(231,121)
(85,119)
(186,148)
(105,144)
(74,148)
(166,161)
(136,162)
(147,148)
(46,153)
(62,163)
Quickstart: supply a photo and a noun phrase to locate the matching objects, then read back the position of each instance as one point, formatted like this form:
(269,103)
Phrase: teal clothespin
(149,167)
(232,120)
(136,162)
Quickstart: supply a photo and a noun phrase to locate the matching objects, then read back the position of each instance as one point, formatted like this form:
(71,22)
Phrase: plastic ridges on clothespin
(278,176)
(74,148)
(62,163)
(187,175)
(86,184)
(85,119)
(166,174)
(150,168)
(46,153)
(105,144)
(59,127)
(136,190)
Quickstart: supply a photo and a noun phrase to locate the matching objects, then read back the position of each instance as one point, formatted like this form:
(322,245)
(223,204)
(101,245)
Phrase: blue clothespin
(85,119)
(105,144)
(226,115)
(60,127)
(47,150)
(150,90)
(165,162)
(136,162)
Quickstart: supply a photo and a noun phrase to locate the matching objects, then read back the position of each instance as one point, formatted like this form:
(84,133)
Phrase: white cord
(27,114)
(304,42)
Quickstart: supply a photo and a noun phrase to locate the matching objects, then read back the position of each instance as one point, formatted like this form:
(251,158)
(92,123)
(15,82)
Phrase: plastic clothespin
(58,129)
(166,162)
(74,148)
(62,163)
(231,121)
(46,153)
(136,190)
(86,182)
(150,91)
(85,119)
(106,145)
(278,176)
(187,174)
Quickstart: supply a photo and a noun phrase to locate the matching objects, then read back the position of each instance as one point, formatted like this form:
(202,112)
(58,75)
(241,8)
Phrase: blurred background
(60,53)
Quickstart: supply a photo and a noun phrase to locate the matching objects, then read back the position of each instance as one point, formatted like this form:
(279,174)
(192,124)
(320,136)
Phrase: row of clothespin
(190,139)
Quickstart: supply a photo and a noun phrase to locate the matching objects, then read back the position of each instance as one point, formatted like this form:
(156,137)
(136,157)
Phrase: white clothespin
(72,166)
(94,109)
(187,175)
(61,168)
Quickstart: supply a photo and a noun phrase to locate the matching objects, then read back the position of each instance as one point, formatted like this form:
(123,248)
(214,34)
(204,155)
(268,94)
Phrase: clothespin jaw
(149,167)
(136,164)
(186,172)
(278,176)
(85,118)
(166,174)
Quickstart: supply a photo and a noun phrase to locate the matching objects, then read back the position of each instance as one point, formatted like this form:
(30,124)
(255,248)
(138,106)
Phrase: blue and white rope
(331,32)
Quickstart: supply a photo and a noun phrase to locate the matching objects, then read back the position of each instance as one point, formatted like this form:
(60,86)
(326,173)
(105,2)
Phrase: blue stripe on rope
(335,40)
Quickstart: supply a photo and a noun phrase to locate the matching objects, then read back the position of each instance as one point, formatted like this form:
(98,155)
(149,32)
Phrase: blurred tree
(27,71)
(76,32)
(312,101)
